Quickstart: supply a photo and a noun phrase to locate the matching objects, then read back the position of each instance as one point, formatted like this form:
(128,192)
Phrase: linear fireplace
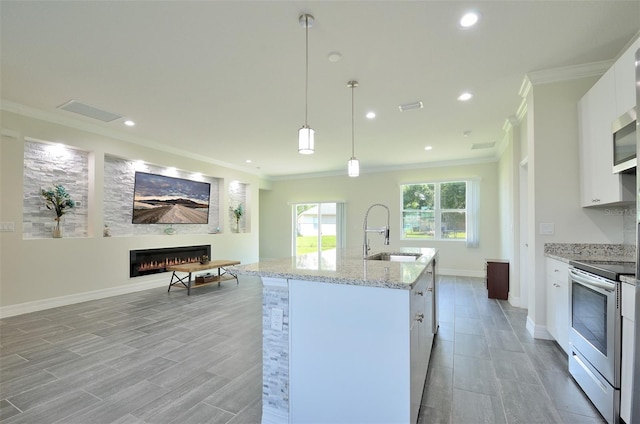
(151,261)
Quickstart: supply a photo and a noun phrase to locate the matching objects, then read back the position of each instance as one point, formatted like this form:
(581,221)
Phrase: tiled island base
(275,347)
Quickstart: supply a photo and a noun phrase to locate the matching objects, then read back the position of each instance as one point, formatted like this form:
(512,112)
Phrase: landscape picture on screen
(158,199)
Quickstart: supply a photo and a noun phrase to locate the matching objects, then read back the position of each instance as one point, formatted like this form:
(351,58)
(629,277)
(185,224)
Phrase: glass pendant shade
(353,167)
(305,140)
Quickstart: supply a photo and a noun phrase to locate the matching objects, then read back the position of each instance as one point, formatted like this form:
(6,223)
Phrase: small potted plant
(204,259)
(237,213)
(57,199)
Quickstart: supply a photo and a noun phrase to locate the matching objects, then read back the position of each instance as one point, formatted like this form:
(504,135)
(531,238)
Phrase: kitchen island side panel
(349,357)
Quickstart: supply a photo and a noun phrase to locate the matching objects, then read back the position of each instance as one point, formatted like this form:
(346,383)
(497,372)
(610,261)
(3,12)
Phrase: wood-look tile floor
(158,357)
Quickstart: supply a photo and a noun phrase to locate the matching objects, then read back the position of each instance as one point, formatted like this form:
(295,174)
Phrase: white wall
(40,273)
(384,187)
(554,185)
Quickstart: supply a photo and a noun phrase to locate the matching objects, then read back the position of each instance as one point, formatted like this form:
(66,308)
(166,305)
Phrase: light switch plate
(277,316)
(547,228)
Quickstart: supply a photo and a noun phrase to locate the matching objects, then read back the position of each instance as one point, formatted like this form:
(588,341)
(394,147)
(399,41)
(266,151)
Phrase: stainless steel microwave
(624,142)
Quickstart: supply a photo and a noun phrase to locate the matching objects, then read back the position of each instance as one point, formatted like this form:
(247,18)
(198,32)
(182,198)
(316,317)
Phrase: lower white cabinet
(558,301)
(628,319)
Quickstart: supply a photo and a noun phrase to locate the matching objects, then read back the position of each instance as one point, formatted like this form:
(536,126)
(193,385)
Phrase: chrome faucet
(380,230)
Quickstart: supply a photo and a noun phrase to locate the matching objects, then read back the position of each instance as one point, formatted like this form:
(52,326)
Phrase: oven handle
(588,280)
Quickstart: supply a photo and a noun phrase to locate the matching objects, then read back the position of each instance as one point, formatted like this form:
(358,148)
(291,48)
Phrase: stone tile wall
(275,352)
(45,165)
(119,181)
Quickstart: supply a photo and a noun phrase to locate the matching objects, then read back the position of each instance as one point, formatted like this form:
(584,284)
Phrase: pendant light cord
(306,65)
(353,143)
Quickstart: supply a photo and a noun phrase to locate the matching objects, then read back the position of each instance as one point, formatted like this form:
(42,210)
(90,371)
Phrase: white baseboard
(514,301)
(40,305)
(538,331)
(460,272)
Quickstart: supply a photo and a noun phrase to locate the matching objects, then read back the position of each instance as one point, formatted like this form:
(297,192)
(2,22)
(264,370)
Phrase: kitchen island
(346,340)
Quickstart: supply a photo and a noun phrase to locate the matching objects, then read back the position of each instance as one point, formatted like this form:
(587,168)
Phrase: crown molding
(566,73)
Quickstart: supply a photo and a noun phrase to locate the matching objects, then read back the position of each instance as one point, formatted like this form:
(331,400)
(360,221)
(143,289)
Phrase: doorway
(316,227)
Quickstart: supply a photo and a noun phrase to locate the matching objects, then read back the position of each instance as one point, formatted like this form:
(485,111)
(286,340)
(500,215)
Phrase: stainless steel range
(595,334)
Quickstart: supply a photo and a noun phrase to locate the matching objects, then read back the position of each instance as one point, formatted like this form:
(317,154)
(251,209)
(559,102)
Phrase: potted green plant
(57,199)
(237,213)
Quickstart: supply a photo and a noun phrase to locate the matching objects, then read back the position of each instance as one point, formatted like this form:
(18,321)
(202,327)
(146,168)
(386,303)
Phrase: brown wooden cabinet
(497,278)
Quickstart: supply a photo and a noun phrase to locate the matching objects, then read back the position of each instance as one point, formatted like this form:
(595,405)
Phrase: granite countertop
(344,267)
(593,252)
(605,253)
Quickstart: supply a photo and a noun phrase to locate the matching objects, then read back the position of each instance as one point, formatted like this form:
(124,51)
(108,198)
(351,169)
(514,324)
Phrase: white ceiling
(225,79)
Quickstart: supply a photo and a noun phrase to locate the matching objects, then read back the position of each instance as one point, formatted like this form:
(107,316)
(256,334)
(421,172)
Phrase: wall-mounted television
(158,199)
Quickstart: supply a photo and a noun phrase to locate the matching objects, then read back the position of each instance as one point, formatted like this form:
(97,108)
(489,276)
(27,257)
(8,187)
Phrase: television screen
(158,199)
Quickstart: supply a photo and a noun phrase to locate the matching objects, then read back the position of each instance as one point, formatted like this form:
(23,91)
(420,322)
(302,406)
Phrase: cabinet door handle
(556,270)
(419,317)
(556,285)
(420,293)
(430,289)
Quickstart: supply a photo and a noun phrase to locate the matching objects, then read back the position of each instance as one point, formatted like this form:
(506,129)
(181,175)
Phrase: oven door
(595,323)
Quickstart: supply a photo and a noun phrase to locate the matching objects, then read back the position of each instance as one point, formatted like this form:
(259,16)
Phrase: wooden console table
(195,267)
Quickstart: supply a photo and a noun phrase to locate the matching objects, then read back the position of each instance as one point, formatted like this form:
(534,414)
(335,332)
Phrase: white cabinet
(611,96)
(628,319)
(596,111)
(558,301)
(625,78)
(423,327)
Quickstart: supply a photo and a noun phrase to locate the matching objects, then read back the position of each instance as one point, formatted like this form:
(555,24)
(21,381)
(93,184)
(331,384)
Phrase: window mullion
(436,211)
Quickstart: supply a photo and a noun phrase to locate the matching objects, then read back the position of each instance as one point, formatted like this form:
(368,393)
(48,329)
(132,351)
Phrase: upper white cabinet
(624,69)
(609,97)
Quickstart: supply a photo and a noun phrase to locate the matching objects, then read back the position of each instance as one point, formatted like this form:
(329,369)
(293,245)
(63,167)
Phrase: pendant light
(306,134)
(353,166)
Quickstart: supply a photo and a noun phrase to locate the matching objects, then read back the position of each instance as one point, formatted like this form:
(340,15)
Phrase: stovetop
(610,270)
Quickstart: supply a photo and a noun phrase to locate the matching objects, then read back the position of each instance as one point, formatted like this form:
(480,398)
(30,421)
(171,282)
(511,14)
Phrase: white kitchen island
(346,340)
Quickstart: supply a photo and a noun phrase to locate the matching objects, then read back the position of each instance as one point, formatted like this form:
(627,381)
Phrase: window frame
(438,211)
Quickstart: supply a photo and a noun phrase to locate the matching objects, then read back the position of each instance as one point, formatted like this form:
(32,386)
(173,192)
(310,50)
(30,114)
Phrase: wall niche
(47,164)
(119,185)
(238,200)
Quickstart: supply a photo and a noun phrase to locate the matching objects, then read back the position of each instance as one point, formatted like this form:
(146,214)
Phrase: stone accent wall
(275,352)
(119,181)
(45,165)
(237,196)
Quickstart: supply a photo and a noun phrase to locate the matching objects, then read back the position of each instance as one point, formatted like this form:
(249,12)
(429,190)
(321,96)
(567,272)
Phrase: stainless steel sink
(394,256)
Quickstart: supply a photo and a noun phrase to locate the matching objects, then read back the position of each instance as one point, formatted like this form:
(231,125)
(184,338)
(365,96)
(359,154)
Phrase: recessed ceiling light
(465,96)
(469,19)
(371,115)
(248,161)
(129,123)
(428,148)
(334,57)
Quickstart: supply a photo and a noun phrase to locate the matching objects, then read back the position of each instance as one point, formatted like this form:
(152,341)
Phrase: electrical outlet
(7,227)
(277,316)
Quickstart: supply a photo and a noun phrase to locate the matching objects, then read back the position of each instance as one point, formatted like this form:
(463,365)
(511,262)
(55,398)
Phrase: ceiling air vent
(478,146)
(409,106)
(90,111)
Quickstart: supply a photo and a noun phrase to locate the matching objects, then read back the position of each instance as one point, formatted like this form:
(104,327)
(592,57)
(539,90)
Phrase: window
(439,211)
